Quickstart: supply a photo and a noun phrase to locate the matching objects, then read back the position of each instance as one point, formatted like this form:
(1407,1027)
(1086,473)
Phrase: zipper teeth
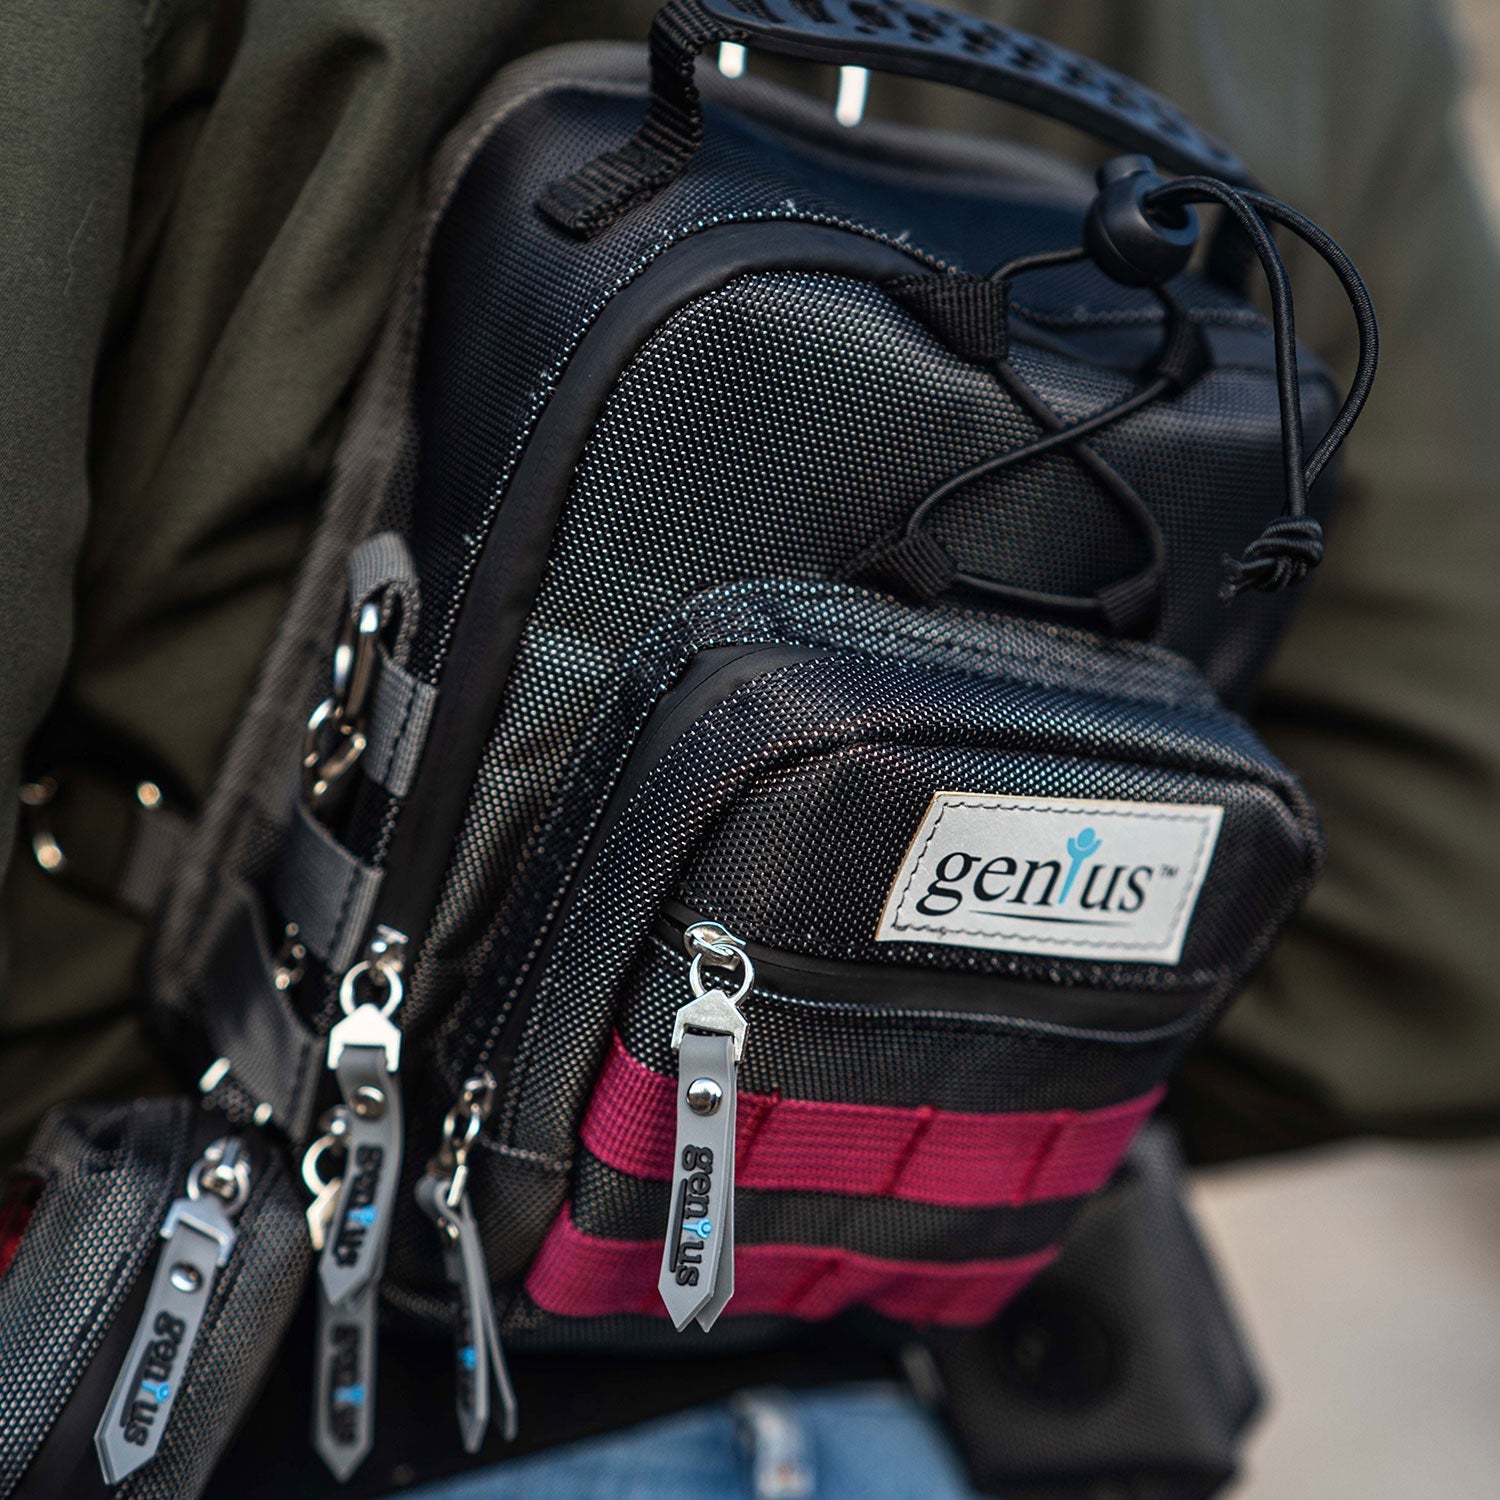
(516,1005)
(451,631)
(963,1017)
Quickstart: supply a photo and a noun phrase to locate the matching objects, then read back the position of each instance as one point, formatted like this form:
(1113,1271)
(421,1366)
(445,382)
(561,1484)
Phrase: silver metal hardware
(368,1024)
(325,1190)
(714,1010)
(291,958)
(732,59)
(224,1171)
(461,1127)
(335,736)
(367,1102)
(704,1096)
(35,797)
(214,1074)
(186,1278)
(39,799)
(854,89)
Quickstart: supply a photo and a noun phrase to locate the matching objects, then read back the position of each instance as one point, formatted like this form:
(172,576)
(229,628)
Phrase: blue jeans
(865,1442)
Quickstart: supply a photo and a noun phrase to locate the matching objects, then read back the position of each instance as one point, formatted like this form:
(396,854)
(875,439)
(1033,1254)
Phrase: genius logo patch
(1068,877)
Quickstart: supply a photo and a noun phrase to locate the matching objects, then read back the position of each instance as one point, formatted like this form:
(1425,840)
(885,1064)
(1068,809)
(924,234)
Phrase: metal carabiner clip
(335,735)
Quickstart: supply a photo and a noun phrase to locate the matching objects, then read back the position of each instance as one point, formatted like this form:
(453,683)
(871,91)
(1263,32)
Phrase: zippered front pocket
(791,810)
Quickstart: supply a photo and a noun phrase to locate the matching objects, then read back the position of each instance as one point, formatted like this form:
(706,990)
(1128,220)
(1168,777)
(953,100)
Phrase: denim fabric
(868,1442)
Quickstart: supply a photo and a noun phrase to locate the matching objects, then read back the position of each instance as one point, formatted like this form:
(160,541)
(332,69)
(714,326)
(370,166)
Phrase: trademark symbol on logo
(1061,877)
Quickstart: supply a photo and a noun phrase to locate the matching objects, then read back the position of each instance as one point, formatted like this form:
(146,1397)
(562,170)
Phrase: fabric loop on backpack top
(916,566)
(325,890)
(381,567)
(967,312)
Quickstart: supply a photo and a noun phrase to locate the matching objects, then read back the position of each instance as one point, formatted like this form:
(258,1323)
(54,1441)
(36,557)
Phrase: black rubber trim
(904,38)
(508,576)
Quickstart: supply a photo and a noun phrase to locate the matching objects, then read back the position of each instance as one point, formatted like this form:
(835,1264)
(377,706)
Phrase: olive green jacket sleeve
(216,196)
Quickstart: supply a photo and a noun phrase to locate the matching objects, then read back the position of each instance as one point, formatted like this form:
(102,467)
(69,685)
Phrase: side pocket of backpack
(119,1225)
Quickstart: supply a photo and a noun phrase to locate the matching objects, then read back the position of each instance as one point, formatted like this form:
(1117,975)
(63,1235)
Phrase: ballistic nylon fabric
(109,1174)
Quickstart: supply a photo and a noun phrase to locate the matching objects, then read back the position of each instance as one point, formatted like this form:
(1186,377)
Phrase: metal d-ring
(341,716)
(389,976)
(695,978)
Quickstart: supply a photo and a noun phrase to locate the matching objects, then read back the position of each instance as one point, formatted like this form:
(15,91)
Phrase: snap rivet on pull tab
(351,1215)
(708,1035)
(442,1194)
(199,1233)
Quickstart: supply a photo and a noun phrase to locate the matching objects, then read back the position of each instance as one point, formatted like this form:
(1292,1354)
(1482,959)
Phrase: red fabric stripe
(923,1155)
(578,1276)
(17,1205)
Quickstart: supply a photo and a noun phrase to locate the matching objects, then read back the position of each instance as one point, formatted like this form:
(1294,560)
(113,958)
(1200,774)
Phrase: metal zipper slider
(364,1053)
(442,1194)
(199,1233)
(708,1035)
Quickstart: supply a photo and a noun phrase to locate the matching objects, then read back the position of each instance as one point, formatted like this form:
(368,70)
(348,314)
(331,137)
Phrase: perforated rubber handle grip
(889,36)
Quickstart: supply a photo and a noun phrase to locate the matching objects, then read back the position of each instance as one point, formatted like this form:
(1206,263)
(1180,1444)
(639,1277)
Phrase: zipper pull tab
(343,1429)
(364,1053)
(199,1233)
(442,1194)
(344,1380)
(708,1035)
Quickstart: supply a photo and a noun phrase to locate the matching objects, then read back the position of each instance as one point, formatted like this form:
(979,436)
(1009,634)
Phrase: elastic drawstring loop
(1291,545)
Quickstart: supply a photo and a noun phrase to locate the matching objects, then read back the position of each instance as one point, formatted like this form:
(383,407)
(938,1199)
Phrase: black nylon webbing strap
(601,190)
(968,313)
(273,1055)
(915,565)
(382,567)
(325,890)
(397,727)
(158,837)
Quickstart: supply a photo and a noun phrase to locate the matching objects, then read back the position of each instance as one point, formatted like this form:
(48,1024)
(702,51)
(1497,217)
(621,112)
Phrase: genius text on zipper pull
(198,1235)
(708,1036)
(442,1194)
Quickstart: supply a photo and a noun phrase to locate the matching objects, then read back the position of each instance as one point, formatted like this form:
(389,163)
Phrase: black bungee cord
(1291,544)
(1141,231)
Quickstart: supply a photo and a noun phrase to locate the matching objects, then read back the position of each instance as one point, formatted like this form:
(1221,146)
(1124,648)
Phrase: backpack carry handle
(890,36)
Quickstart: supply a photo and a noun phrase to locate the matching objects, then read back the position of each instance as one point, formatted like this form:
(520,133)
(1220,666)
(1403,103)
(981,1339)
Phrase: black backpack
(745,808)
